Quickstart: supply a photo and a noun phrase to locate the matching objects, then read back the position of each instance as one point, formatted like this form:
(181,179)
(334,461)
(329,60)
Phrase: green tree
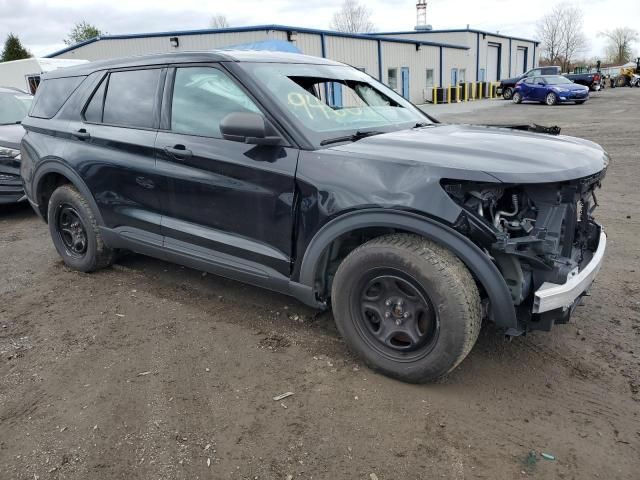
(13,49)
(82,31)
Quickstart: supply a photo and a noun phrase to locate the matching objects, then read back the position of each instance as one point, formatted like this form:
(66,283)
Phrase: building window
(429,77)
(462,75)
(392,75)
(454,77)
(482,75)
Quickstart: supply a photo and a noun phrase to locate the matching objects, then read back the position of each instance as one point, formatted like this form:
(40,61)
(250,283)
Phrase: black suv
(14,105)
(309,177)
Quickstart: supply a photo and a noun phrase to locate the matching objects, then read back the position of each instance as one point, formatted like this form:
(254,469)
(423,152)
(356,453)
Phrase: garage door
(521,60)
(493,54)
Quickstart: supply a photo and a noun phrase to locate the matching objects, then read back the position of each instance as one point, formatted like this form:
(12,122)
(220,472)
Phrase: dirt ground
(152,371)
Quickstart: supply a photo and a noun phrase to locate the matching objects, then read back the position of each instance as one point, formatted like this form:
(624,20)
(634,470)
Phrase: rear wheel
(407,306)
(517,97)
(551,99)
(74,231)
(507,93)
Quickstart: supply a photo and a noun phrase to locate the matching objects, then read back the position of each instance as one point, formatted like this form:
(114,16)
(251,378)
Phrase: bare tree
(550,35)
(561,35)
(219,21)
(619,44)
(352,18)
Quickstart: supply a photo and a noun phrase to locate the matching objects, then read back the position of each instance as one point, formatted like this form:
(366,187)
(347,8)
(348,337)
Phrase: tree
(619,44)
(352,18)
(13,49)
(561,35)
(219,21)
(82,31)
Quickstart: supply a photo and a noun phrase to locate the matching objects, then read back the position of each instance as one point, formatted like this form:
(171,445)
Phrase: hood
(570,86)
(507,155)
(10,135)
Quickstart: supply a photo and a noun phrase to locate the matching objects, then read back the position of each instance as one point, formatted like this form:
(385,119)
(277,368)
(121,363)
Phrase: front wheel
(551,99)
(407,306)
(74,231)
(507,93)
(517,97)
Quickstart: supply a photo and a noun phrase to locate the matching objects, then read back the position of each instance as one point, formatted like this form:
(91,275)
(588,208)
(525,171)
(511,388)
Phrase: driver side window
(202,97)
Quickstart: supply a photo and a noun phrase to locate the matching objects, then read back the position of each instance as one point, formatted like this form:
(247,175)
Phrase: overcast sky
(42,24)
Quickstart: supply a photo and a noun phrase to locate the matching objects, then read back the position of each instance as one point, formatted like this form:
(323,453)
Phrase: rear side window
(131,98)
(52,94)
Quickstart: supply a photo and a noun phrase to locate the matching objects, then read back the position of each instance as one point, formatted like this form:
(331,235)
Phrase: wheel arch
(49,176)
(480,265)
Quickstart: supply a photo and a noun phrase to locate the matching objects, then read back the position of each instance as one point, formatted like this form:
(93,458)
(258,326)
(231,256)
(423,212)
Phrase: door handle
(178,151)
(82,134)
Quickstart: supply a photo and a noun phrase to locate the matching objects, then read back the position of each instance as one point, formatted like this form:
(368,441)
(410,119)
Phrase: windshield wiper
(17,122)
(421,124)
(350,138)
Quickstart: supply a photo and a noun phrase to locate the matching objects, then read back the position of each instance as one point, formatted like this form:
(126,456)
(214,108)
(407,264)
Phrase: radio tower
(421,15)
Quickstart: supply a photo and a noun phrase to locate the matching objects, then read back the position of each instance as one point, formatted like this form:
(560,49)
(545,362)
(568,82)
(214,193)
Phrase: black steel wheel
(71,230)
(396,316)
(74,231)
(407,306)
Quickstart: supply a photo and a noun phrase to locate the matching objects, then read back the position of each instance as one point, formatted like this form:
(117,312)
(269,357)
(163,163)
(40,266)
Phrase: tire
(74,231)
(517,97)
(621,81)
(404,283)
(507,93)
(551,99)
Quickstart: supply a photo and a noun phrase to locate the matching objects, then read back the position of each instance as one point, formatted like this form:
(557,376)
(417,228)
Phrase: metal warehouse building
(412,63)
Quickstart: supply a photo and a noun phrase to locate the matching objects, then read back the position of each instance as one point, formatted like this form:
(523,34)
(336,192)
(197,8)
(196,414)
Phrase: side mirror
(248,127)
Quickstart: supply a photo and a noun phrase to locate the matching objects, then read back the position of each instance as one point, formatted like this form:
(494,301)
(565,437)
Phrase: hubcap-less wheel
(507,94)
(551,99)
(71,230)
(517,98)
(394,315)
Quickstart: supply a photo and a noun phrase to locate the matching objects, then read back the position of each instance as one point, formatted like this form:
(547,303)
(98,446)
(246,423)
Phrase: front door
(539,88)
(405,82)
(225,197)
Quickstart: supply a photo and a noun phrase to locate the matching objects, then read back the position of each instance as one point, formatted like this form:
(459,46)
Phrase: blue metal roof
(458,30)
(256,28)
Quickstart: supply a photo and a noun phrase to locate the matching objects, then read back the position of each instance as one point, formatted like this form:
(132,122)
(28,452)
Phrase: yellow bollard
(449,94)
(435,95)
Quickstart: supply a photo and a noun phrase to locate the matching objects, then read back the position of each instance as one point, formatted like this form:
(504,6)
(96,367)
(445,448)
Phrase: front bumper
(11,190)
(552,296)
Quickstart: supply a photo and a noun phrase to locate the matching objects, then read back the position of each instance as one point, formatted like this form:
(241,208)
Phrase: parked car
(239,164)
(14,105)
(593,81)
(550,89)
(508,85)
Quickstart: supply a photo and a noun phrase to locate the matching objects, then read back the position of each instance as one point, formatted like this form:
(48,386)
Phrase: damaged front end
(542,238)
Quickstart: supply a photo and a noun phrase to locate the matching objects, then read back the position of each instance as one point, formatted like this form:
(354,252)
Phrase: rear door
(113,147)
(222,196)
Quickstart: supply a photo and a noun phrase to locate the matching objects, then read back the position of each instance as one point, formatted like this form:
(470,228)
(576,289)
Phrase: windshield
(330,101)
(14,107)
(557,80)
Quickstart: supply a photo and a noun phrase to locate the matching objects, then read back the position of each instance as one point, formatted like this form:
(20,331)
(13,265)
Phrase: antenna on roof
(421,16)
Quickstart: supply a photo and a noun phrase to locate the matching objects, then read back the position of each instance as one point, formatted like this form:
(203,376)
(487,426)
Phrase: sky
(42,24)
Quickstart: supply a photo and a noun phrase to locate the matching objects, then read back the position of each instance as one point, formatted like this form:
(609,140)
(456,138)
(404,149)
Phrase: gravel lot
(149,370)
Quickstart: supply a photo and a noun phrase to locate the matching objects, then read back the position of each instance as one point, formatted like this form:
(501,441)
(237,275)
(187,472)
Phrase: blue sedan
(550,89)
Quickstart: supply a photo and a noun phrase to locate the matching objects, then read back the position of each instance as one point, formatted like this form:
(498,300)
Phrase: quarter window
(53,94)
(93,112)
(202,97)
(131,98)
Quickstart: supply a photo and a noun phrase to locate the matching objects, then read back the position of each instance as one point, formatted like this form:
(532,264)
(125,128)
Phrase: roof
(458,30)
(189,57)
(256,28)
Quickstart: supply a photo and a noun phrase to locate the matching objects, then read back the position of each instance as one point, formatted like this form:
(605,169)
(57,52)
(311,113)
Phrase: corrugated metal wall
(354,51)
(114,48)
(399,55)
